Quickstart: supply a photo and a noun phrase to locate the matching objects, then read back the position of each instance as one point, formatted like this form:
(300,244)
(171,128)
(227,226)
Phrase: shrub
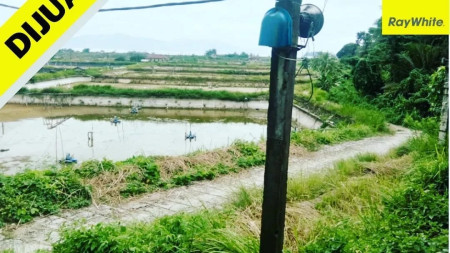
(250,154)
(367,77)
(92,168)
(148,167)
(35,193)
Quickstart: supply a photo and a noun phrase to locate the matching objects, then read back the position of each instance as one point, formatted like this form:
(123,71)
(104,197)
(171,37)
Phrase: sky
(228,26)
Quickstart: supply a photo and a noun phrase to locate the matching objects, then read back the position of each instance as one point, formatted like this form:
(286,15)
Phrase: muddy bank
(168,103)
(300,116)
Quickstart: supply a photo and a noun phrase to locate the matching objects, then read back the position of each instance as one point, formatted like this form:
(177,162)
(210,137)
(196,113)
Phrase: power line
(139,7)
(9,6)
(324,5)
(159,5)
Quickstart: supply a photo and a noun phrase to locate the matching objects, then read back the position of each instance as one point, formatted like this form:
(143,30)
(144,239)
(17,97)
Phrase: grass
(108,91)
(312,140)
(392,203)
(354,122)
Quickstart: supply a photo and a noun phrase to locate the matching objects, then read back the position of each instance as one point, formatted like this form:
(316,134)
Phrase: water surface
(38,136)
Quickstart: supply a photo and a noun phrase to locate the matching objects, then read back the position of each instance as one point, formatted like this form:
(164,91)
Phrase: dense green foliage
(401,75)
(104,91)
(329,69)
(33,193)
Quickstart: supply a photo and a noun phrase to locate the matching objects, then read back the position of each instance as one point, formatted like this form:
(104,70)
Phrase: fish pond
(38,137)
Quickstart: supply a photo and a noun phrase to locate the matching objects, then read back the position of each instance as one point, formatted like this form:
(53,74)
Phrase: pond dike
(300,116)
(43,231)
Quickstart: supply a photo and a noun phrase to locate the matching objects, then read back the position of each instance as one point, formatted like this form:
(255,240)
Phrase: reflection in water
(34,145)
(52,123)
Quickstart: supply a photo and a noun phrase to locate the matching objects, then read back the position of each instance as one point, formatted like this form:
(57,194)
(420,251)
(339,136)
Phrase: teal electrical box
(276,28)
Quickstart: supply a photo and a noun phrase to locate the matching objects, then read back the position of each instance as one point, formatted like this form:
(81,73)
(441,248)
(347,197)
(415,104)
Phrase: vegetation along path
(42,232)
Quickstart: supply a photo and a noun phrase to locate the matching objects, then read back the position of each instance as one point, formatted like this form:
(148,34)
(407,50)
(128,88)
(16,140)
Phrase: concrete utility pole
(282,79)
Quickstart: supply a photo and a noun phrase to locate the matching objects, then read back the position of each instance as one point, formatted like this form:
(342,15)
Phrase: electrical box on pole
(281,28)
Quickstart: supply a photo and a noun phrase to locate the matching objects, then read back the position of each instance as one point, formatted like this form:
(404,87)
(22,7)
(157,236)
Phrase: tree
(120,58)
(329,68)
(86,50)
(211,53)
(137,57)
(348,50)
(367,77)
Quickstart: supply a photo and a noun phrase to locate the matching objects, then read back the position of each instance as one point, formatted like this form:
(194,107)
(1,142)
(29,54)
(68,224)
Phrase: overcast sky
(229,26)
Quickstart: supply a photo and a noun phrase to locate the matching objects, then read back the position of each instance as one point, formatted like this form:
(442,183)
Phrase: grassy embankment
(352,121)
(34,193)
(392,203)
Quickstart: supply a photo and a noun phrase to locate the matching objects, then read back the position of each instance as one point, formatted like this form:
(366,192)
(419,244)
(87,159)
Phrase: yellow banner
(414,17)
(34,34)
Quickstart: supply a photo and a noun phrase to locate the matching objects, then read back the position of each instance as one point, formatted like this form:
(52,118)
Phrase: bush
(250,154)
(93,168)
(148,167)
(367,77)
(33,193)
(133,188)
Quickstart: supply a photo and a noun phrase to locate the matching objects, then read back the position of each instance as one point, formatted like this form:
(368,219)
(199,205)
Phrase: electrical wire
(324,5)
(159,5)
(9,6)
(139,7)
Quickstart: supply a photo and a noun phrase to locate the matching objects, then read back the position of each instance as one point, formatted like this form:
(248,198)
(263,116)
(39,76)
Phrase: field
(392,203)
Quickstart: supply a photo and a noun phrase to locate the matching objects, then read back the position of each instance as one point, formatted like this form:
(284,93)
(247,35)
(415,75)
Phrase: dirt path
(42,232)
